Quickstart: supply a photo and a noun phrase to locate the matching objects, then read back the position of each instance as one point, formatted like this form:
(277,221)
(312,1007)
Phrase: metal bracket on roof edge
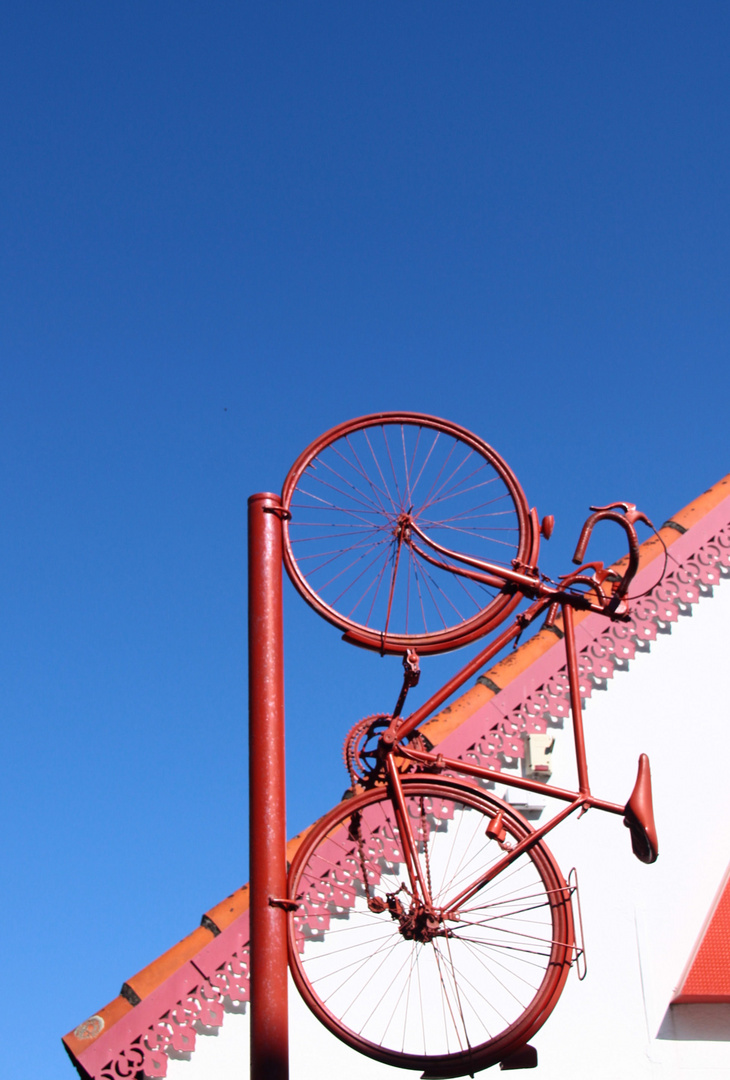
(490,684)
(131,995)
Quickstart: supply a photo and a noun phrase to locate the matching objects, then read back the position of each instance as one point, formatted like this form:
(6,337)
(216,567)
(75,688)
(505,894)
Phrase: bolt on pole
(267,791)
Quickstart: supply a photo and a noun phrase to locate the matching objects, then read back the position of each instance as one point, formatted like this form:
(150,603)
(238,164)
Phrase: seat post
(576,708)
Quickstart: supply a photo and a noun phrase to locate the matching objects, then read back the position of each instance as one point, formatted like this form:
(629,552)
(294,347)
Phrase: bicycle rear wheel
(457,997)
(349,549)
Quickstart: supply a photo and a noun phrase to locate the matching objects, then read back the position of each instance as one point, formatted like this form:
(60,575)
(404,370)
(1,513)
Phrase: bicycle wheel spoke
(523,953)
(373,479)
(366,476)
(463,855)
(360,520)
(408,466)
(446,995)
(426,502)
(380,473)
(472,510)
(336,554)
(479,993)
(440,589)
(417,579)
(380,1000)
(405,990)
(424,575)
(375,594)
(375,582)
(425,463)
(366,509)
(332,551)
(349,566)
(460,491)
(392,466)
(441,496)
(498,971)
(466,585)
(359,496)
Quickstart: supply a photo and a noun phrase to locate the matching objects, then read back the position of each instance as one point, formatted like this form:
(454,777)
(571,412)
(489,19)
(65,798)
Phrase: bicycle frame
(365,511)
(637,812)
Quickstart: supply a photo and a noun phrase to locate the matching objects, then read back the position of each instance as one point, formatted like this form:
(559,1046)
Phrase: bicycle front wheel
(449,991)
(349,549)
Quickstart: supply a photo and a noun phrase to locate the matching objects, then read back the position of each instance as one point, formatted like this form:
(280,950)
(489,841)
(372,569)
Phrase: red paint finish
(576,706)
(269,1006)
(708,977)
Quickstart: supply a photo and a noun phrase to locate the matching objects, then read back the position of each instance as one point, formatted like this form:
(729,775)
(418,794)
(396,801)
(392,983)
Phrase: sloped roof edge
(706,979)
(505,702)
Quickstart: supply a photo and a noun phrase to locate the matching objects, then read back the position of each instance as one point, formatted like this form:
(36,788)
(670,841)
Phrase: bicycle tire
(462,1001)
(347,493)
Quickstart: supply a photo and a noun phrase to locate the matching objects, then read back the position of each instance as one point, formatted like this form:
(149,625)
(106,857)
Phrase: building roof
(707,976)
(201,976)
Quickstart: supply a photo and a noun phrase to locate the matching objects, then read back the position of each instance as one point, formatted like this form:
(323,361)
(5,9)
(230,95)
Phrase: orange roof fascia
(442,724)
(109,1015)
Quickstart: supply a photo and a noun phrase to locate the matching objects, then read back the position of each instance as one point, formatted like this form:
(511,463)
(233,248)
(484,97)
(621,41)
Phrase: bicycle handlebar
(625,515)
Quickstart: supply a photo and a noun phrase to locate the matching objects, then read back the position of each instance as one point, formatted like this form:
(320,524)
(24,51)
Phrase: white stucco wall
(640,922)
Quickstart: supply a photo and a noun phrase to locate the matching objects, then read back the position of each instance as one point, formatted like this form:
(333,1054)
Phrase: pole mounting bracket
(285,905)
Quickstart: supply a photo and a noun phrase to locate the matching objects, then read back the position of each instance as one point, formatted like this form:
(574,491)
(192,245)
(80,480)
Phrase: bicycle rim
(482,985)
(344,549)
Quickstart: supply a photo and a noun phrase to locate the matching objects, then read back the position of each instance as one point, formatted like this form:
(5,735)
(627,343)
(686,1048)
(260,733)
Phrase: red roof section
(707,978)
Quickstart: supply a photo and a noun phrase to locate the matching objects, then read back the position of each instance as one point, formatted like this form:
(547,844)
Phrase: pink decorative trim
(202,991)
(200,1011)
(330,889)
(538,699)
(166,1023)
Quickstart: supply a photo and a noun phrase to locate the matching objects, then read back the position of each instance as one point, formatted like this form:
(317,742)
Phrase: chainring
(362,746)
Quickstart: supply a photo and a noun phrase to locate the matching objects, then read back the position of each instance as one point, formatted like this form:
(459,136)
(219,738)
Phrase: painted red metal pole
(269,1007)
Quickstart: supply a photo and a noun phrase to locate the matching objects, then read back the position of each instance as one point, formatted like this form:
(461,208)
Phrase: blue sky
(225,228)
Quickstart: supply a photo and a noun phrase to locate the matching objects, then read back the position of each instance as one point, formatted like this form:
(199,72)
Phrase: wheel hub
(419,923)
(402,528)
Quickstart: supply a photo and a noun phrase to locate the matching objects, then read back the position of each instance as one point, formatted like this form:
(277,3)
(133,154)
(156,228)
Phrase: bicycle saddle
(639,815)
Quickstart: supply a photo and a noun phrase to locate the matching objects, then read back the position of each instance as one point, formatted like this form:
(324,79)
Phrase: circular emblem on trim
(90,1028)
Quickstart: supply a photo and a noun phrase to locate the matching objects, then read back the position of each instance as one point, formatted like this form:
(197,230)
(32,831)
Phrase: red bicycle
(430,926)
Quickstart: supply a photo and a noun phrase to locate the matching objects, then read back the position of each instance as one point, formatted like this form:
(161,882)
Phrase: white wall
(640,921)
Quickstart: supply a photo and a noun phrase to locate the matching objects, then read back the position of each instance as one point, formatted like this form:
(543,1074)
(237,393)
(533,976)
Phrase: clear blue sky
(225,228)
